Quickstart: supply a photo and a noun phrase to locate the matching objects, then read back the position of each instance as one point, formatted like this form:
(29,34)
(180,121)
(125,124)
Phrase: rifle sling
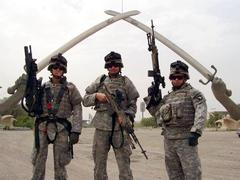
(114,116)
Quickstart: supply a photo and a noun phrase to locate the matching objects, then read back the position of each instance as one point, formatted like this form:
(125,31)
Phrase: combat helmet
(58,60)
(113,58)
(178,67)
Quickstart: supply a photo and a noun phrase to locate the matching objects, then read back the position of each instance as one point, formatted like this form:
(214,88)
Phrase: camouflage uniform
(181,113)
(70,106)
(103,123)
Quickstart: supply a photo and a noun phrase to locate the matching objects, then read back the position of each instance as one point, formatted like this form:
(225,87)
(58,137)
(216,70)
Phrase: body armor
(177,113)
(117,88)
(178,110)
(104,110)
(103,117)
(71,97)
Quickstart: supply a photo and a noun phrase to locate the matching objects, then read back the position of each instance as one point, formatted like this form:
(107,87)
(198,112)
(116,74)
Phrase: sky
(209,30)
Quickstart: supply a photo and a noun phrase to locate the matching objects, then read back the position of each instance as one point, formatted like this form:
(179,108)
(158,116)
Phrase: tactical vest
(64,108)
(178,109)
(54,117)
(117,88)
(108,117)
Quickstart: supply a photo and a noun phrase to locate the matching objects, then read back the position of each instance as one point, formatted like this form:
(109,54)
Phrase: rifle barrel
(137,142)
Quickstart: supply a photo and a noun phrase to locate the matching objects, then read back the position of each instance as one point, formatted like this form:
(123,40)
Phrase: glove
(74,137)
(155,95)
(193,139)
(152,90)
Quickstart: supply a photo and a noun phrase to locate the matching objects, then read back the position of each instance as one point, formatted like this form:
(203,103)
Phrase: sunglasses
(58,67)
(177,77)
(112,65)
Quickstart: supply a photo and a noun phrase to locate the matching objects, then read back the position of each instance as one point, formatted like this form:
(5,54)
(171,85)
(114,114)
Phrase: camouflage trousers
(101,147)
(61,156)
(182,161)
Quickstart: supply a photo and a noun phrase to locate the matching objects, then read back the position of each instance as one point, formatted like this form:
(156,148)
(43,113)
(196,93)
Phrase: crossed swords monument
(221,93)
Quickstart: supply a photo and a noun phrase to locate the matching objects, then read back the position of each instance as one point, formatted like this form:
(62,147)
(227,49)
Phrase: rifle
(155,73)
(33,91)
(120,113)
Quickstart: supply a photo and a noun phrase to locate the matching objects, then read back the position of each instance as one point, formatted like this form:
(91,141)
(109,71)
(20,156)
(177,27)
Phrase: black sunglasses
(56,66)
(112,64)
(177,77)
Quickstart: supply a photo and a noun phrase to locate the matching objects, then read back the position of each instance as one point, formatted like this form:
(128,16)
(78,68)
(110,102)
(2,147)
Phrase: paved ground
(219,152)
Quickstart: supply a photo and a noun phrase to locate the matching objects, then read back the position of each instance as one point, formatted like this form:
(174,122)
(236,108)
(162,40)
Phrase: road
(219,153)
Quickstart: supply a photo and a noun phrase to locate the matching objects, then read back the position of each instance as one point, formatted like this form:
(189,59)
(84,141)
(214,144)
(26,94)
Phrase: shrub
(213,118)
(24,121)
(150,121)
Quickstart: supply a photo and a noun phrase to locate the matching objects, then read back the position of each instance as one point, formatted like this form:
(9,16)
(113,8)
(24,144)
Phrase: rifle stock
(124,122)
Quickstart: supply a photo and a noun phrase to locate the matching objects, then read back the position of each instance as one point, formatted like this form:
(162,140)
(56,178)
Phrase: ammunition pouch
(166,112)
(179,110)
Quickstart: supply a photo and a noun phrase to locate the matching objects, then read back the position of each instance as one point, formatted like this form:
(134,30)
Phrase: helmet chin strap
(178,87)
(58,79)
(115,74)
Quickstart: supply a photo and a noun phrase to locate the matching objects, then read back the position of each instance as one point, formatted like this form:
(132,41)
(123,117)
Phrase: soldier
(59,124)
(182,114)
(108,131)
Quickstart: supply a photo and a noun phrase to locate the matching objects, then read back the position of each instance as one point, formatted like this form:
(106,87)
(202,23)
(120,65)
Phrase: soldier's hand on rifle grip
(155,94)
(152,90)
(101,97)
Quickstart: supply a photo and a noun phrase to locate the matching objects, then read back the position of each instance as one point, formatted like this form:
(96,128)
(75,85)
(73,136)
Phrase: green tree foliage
(149,122)
(213,118)
(24,121)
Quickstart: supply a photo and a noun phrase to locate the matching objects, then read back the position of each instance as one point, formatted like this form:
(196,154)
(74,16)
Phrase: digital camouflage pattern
(181,112)
(182,161)
(70,108)
(101,147)
(61,153)
(102,121)
(103,117)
